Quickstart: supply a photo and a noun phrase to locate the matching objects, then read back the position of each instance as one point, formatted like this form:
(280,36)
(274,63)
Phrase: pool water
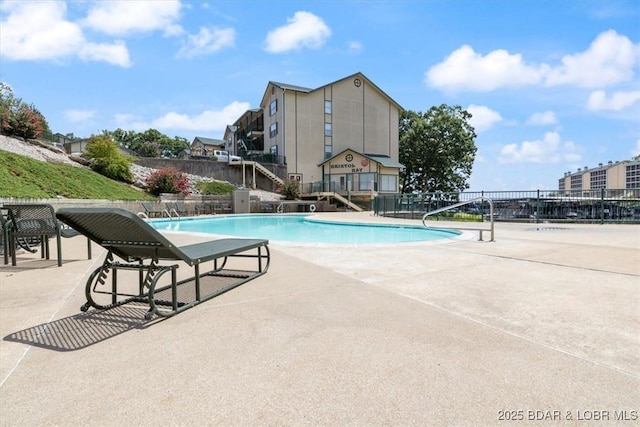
(301,228)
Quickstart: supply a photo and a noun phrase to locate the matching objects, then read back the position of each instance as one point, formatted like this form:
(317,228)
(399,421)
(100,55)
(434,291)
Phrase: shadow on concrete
(84,329)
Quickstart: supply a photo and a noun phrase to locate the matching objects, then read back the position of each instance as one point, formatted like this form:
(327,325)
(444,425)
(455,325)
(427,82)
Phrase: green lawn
(23,177)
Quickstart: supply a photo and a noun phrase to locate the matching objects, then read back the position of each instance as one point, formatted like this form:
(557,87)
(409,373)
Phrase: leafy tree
(138,142)
(106,159)
(17,118)
(149,149)
(168,180)
(177,145)
(437,149)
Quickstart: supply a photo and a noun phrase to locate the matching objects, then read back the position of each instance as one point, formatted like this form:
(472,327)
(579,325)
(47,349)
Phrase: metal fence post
(602,190)
(537,212)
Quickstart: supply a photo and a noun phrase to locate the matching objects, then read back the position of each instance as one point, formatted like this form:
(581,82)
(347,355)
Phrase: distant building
(204,147)
(341,137)
(624,175)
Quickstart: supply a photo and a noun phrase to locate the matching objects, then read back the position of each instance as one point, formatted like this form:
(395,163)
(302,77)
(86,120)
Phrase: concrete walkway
(540,327)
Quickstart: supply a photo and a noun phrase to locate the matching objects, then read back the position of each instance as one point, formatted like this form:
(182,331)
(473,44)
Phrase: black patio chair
(142,247)
(29,224)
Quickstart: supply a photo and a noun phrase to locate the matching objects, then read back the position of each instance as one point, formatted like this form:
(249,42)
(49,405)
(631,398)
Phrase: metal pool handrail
(456,205)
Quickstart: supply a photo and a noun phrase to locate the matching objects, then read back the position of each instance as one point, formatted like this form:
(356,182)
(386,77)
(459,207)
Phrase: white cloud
(543,119)
(208,40)
(115,54)
(609,60)
(355,46)
(551,149)
(209,120)
(618,101)
(482,117)
(40,31)
(636,150)
(76,116)
(125,17)
(303,30)
(465,69)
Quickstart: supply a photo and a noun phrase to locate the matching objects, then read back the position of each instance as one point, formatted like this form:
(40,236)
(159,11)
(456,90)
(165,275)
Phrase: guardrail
(491,228)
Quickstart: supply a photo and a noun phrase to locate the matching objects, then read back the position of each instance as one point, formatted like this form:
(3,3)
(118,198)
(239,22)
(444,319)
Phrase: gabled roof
(302,89)
(208,141)
(288,86)
(384,160)
(248,112)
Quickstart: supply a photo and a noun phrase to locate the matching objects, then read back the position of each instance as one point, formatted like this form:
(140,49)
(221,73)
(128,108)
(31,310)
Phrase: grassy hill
(23,177)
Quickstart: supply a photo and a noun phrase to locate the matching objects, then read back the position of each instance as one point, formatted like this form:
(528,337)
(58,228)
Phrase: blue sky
(552,85)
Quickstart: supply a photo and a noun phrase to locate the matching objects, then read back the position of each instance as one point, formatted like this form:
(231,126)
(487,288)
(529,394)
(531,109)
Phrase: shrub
(290,190)
(105,158)
(215,188)
(168,180)
(149,149)
(17,118)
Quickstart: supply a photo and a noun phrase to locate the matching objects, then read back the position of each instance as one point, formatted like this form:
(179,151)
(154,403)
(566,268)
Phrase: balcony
(255,133)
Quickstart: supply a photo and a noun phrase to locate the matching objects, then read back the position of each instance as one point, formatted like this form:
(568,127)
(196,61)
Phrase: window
(327,129)
(328,151)
(633,176)
(327,107)
(273,130)
(598,179)
(366,180)
(576,182)
(273,107)
(389,183)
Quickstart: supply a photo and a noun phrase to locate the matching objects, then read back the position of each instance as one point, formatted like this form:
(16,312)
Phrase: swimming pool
(302,228)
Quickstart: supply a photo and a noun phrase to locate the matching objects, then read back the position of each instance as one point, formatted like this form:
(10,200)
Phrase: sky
(552,85)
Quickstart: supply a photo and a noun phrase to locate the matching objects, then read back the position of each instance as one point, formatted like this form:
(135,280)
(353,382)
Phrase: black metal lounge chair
(153,210)
(28,225)
(179,208)
(135,241)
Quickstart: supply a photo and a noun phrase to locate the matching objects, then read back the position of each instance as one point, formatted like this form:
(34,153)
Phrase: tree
(437,149)
(17,118)
(106,159)
(139,142)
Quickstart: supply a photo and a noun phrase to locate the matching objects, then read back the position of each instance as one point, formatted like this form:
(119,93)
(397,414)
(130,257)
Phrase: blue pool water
(301,228)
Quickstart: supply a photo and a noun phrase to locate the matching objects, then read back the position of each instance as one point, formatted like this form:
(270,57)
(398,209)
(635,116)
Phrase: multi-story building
(624,175)
(341,137)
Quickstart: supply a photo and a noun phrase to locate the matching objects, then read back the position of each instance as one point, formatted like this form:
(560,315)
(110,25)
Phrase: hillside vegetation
(23,177)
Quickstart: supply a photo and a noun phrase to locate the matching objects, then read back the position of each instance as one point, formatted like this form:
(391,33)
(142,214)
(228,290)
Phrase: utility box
(241,203)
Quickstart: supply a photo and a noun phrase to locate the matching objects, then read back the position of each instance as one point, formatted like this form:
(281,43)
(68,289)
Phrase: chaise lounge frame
(142,247)
(33,224)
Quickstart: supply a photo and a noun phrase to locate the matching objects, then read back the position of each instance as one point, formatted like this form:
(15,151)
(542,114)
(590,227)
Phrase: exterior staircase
(261,169)
(329,194)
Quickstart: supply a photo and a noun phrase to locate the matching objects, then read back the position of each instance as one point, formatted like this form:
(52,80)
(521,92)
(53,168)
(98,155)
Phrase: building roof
(246,113)
(288,86)
(302,89)
(208,141)
(384,160)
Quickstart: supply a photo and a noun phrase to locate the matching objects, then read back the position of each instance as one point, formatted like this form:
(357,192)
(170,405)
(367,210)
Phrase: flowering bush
(168,180)
(17,118)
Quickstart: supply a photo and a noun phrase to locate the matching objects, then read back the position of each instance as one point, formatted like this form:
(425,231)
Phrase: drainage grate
(549,229)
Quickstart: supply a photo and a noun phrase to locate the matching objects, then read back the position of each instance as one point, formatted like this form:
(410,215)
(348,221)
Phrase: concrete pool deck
(540,327)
